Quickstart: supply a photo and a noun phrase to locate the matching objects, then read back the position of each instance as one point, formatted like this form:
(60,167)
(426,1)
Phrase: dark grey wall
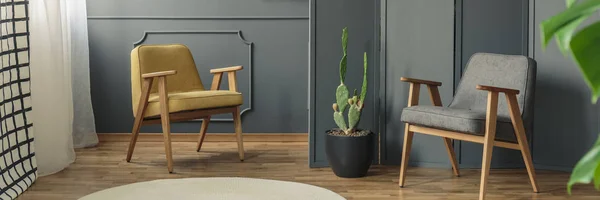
(419,43)
(328,17)
(268,37)
(566,123)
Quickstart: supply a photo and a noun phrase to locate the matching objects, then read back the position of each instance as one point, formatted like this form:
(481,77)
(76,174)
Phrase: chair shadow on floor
(188,160)
(440,178)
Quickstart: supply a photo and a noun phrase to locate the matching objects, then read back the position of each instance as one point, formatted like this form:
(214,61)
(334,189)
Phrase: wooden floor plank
(104,167)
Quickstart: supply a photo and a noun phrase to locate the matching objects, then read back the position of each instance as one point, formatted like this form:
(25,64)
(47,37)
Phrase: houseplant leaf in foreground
(586,167)
(570,2)
(585,47)
(573,14)
(564,35)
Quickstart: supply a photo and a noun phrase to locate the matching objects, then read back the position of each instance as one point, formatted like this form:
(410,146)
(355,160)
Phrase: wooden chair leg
(527,159)
(408,137)
(203,128)
(134,135)
(488,145)
(519,129)
(413,100)
(165,121)
(143,103)
(237,121)
(452,156)
(436,100)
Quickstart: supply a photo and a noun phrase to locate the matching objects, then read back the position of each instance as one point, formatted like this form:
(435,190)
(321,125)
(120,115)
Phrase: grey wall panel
(328,19)
(496,27)
(197,7)
(419,44)
(566,123)
(278,65)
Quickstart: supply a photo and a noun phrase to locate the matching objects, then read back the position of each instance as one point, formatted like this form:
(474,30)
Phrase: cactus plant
(342,98)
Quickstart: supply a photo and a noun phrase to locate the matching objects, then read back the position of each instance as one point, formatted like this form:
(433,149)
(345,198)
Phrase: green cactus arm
(339,120)
(344,61)
(341,97)
(345,39)
(353,116)
(363,90)
(343,68)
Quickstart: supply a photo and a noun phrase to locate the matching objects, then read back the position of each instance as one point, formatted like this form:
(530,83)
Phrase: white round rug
(215,189)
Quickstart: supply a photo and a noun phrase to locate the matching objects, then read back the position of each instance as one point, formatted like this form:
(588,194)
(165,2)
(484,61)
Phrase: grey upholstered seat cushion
(458,120)
(467,111)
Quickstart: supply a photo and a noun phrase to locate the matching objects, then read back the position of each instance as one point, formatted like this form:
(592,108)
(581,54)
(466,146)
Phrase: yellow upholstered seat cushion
(194,100)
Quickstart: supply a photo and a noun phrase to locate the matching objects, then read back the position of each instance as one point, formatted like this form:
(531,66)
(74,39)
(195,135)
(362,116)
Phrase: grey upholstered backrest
(507,71)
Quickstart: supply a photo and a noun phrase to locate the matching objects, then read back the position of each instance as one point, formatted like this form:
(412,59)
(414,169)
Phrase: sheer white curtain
(60,87)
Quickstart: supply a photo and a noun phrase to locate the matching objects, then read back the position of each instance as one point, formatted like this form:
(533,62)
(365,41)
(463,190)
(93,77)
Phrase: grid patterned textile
(17,163)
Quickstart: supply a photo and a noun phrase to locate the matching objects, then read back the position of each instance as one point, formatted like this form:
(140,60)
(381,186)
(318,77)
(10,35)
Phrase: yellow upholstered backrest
(156,58)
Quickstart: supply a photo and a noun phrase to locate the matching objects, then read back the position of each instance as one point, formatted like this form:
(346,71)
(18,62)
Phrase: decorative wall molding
(240,36)
(198,17)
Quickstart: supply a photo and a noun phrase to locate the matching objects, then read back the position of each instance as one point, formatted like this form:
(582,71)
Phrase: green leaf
(597,178)
(586,167)
(363,90)
(563,37)
(565,34)
(339,120)
(555,24)
(585,46)
(341,97)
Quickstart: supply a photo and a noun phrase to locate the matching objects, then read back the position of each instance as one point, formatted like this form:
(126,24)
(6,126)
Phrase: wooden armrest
(497,89)
(218,75)
(412,80)
(226,69)
(157,74)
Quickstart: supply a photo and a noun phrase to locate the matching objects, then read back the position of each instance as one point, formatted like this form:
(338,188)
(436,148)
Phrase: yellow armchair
(183,98)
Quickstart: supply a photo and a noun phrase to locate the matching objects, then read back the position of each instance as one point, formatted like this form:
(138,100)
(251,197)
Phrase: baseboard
(553,167)
(318,164)
(210,137)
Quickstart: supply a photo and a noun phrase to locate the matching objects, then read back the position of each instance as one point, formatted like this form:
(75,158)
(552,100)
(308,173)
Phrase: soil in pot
(357,133)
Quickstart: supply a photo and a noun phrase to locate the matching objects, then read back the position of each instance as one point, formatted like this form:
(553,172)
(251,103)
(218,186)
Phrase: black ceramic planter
(349,157)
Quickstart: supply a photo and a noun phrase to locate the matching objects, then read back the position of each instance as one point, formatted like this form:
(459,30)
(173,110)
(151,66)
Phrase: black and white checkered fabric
(17,163)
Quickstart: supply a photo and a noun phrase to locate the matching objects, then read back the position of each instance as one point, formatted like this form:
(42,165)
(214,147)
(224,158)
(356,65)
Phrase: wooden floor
(104,167)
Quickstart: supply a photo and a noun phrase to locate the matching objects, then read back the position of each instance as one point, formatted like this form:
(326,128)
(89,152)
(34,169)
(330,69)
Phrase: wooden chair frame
(488,140)
(166,118)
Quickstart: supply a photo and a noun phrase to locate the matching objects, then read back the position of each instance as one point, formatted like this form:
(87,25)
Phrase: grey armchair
(476,114)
